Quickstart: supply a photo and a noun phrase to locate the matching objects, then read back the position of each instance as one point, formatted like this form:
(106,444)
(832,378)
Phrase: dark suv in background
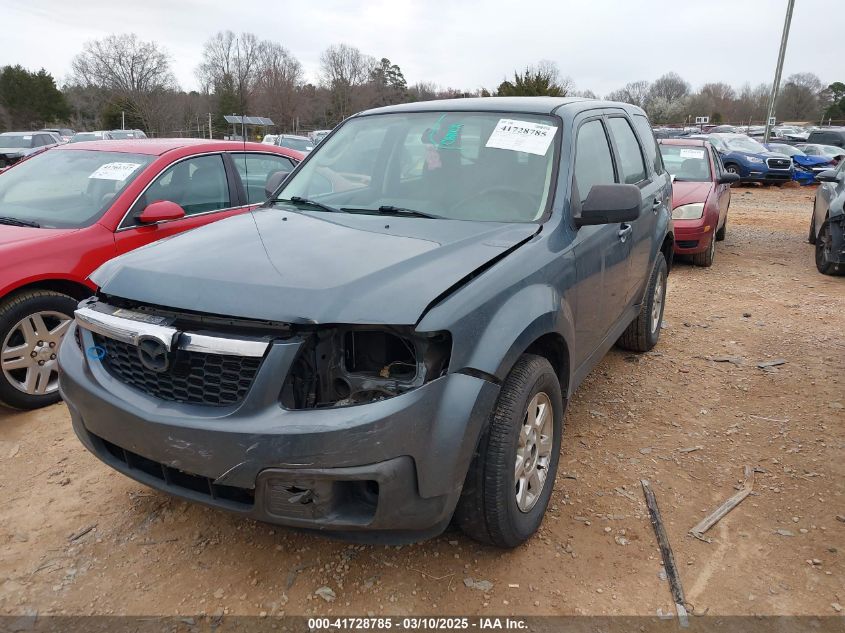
(392,340)
(828,136)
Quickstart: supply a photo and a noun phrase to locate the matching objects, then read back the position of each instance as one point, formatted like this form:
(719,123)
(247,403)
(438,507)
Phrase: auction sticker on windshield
(115,171)
(692,153)
(522,136)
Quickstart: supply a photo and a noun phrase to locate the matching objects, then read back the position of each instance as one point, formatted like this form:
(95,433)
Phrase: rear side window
(593,161)
(630,156)
(649,143)
(256,169)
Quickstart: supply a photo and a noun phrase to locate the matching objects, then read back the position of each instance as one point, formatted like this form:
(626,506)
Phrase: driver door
(601,254)
(201,185)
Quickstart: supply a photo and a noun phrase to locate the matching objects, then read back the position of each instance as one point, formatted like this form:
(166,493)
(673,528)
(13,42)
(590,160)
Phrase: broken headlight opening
(348,365)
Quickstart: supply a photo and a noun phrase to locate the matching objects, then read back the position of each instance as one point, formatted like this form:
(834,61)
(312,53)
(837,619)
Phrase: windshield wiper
(389,209)
(17,222)
(307,202)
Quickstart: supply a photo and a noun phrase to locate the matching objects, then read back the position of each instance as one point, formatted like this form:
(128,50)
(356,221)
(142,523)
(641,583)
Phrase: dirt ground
(677,416)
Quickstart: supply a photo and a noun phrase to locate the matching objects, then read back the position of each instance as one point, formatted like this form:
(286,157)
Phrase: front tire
(643,332)
(731,168)
(32,325)
(511,478)
(723,231)
(823,247)
(706,258)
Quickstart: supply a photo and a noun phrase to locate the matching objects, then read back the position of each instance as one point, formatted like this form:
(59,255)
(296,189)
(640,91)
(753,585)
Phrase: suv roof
(527,105)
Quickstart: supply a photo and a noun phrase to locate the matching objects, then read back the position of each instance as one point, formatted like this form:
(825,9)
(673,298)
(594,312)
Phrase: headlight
(688,211)
(753,159)
(345,365)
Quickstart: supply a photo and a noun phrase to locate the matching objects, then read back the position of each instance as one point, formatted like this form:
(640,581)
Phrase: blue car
(806,166)
(749,159)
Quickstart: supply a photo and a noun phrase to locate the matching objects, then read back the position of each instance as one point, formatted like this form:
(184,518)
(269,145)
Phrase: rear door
(630,158)
(204,186)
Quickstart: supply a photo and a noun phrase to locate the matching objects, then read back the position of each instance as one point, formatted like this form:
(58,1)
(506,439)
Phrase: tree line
(122,78)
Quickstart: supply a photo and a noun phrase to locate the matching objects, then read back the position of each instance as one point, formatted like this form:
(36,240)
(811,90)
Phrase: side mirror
(610,204)
(274,181)
(727,179)
(159,211)
(828,175)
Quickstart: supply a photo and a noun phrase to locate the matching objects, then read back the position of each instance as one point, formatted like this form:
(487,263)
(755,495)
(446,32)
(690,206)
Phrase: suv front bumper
(389,471)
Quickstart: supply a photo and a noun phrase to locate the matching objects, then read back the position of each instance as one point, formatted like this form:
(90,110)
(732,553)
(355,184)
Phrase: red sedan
(66,211)
(701,195)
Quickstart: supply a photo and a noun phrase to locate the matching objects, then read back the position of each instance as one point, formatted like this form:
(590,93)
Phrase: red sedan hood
(11,234)
(690,192)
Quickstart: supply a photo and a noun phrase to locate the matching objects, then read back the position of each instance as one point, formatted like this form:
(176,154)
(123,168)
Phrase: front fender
(494,344)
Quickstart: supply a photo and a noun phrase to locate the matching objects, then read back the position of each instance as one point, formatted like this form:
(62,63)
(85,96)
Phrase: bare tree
(635,93)
(279,79)
(343,69)
(231,60)
(124,66)
(799,98)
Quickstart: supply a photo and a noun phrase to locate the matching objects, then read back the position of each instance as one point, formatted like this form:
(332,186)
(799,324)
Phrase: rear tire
(499,505)
(705,258)
(643,332)
(32,325)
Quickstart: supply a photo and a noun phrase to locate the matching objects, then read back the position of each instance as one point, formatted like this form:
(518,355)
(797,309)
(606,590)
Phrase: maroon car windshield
(686,164)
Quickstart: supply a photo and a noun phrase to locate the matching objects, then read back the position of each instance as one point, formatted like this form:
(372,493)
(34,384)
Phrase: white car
(270,139)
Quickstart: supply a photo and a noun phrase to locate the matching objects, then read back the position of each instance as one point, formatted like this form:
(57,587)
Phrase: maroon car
(701,195)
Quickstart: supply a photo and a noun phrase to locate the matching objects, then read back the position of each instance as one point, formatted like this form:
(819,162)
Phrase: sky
(468,44)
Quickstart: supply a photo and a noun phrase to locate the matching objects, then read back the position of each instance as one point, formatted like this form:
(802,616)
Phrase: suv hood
(310,268)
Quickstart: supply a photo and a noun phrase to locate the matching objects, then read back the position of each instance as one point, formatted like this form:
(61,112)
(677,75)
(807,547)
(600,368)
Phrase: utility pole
(122,120)
(209,126)
(776,86)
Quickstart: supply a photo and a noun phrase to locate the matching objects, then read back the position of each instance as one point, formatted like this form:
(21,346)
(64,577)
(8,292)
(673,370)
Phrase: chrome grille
(191,377)
(778,163)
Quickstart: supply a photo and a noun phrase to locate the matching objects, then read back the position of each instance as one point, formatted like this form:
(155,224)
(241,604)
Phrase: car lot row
(388,342)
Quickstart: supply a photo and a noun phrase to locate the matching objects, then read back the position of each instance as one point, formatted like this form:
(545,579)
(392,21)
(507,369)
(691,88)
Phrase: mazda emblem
(153,354)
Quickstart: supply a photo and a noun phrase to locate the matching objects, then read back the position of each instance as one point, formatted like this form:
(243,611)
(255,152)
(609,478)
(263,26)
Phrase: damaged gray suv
(389,343)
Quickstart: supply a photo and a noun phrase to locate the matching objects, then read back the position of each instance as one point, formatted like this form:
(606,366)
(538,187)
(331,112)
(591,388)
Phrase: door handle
(624,231)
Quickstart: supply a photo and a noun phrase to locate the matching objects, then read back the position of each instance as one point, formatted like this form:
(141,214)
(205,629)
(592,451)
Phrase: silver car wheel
(657,303)
(28,354)
(534,451)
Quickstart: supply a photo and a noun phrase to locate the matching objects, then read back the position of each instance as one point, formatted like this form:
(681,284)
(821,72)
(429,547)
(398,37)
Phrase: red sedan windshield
(69,188)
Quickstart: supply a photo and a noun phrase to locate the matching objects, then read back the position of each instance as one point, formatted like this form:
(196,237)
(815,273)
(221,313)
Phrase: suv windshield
(456,165)
(745,144)
(16,140)
(67,189)
(686,163)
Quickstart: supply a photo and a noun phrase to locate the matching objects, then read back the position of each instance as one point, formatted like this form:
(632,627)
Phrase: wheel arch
(552,346)
(71,287)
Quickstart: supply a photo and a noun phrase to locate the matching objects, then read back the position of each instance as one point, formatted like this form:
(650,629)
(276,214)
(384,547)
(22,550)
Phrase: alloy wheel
(657,302)
(28,354)
(534,451)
